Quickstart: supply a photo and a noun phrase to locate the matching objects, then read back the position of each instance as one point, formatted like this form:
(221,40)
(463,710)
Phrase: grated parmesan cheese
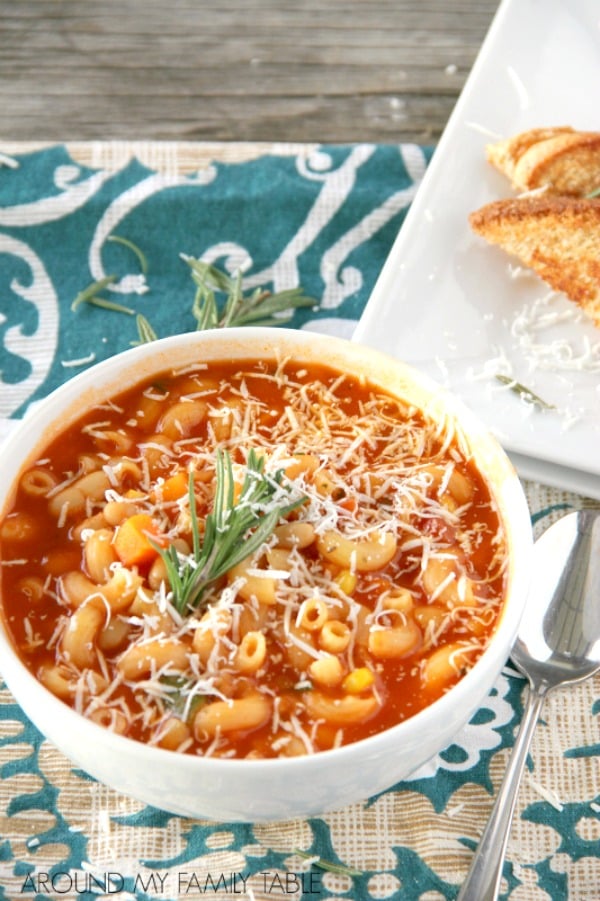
(547,794)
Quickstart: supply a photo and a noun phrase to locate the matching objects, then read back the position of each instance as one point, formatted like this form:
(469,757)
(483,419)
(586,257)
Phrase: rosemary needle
(91,296)
(328,865)
(524,393)
(145,331)
(117,239)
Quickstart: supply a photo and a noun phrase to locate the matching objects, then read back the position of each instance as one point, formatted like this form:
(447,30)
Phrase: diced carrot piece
(348,503)
(133,540)
(175,486)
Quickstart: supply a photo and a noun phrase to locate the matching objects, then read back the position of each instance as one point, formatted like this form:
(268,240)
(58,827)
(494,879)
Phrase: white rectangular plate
(459,309)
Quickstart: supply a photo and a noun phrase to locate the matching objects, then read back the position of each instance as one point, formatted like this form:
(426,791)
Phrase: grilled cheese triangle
(557,237)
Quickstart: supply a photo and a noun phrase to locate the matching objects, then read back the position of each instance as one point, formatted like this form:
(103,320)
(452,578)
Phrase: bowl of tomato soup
(254,574)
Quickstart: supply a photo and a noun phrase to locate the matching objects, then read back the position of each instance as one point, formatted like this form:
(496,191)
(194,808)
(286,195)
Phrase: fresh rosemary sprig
(259,307)
(234,529)
(524,393)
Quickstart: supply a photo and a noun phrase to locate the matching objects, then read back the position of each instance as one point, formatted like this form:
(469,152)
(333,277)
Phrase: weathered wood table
(249,70)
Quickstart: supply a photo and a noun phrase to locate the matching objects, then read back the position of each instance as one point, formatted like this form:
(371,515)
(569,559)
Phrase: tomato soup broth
(253,559)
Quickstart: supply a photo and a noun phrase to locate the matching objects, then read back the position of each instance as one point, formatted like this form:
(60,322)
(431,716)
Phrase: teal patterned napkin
(324,217)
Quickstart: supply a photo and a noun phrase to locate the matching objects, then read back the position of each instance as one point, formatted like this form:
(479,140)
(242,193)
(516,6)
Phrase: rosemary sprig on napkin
(259,307)
(220,300)
(91,295)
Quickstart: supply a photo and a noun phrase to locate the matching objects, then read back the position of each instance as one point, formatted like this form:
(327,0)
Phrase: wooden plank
(333,70)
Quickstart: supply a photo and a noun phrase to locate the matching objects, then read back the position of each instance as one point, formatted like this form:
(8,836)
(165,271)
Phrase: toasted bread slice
(558,160)
(557,237)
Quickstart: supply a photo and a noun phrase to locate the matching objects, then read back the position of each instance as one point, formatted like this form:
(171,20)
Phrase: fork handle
(483,880)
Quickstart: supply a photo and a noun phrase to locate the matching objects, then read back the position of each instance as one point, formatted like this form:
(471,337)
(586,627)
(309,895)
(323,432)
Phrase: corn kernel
(346,581)
(358,680)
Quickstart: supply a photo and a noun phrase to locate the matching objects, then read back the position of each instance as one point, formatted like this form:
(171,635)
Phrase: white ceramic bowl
(265,790)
